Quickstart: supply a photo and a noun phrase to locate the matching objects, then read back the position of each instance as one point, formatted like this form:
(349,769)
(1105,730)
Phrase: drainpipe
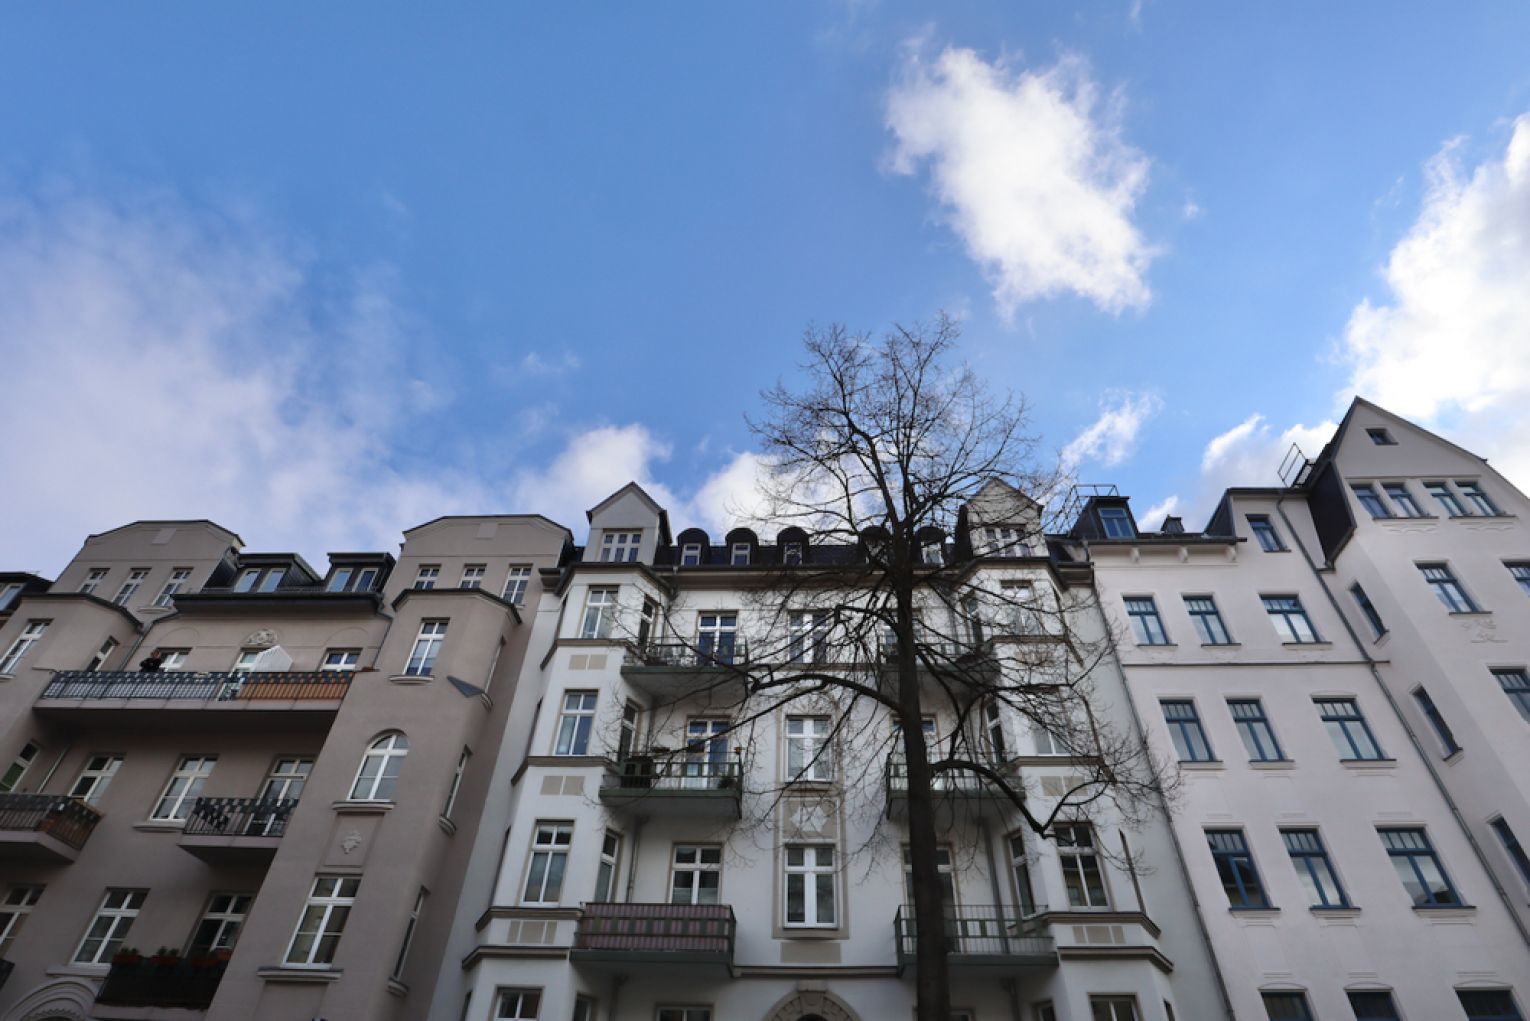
(1413,738)
(637,833)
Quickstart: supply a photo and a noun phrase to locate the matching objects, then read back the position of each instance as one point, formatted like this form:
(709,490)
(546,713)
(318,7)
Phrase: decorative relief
(1482,630)
(812,1004)
(350,841)
(262,639)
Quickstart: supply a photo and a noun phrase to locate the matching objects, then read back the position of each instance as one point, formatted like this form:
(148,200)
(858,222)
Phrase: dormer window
(1116,522)
(620,547)
(1003,540)
(352,579)
(260,579)
(933,554)
(1381,437)
(740,554)
(792,555)
(690,554)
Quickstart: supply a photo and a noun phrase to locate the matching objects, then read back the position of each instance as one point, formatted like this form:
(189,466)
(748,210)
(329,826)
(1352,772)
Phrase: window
(1368,610)
(993,730)
(184,787)
(810,897)
(1441,728)
(428,576)
(599,613)
(716,637)
(1512,847)
(93,581)
(22,645)
(102,655)
(584,1009)
(1255,730)
(1147,626)
(606,872)
(1044,1012)
(339,579)
(178,579)
(1207,621)
(1235,868)
(575,723)
(1113,1008)
(626,738)
(519,1004)
(1080,866)
(1290,619)
(1264,532)
(933,553)
(684,1014)
(1521,574)
(1116,522)
(1004,541)
(1516,684)
(19,766)
(245,663)
(1381,437)
(792,554)
(1402,499)
(260,579)
(740,557)
(1314,869)
(807,753)
(1020,865)
(318,932)
(427,645)
(8,594)
(1479,500)
(90,785)
(340,660)
(1373,1006)
(1445,498)
(1286,1006)
(1185,730)
(1370,499)
(1419,867)
(515,584)
(113,919)
(1347,728)
(1488,1005)
(697,875)
(172,659)
(352,579)
(549,859)
(943,872)
(220,924)
(285,783)
(14,909)
(377,778)
(1025,611)
(130,587)
(456,785)
(1447,589)
(807,636)
(409,927)
(620,547)
(472,576)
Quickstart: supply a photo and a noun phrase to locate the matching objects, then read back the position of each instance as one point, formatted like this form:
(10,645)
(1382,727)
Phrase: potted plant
(166,957)
(128,957)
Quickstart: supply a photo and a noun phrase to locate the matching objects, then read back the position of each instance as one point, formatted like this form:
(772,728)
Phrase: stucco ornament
(350,841)
(262,639)
(803,1005)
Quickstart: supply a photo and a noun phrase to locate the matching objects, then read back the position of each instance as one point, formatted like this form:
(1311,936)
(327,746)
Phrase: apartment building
(239,787)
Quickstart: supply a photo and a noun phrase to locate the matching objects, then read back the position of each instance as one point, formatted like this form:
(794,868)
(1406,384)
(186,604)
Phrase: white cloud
(1247,454)
(1031,170)
(1112,437)
(1154,515)
(592,466)
(732,497)
(537,364)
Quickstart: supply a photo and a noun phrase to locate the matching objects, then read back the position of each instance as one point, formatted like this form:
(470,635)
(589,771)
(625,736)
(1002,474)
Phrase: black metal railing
(186,686)
(239,817)
(674,771)
(957,781)
(187,984)
(981,930)
(657,929)
(680,654)
(63,818)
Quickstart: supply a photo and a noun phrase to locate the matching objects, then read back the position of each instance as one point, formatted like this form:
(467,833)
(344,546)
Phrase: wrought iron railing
(186,686)
(680,654)
(239,817)
(63,818)
(187,984)
(981,930)
(657,929)
(673,771)
(959,781)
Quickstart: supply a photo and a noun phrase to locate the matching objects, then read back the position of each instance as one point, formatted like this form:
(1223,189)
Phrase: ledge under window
(362,807)
(1264,911)
(1445,911)
(1335,911)
(307,975)
(161,825)
(1272,764)
(447,825)
(1471,613)
(410,678)
(1202,764)
(1368,763)
(1319,644)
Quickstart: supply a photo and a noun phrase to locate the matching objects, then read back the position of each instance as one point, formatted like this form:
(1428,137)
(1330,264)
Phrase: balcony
(676,669)
(196,699)
(625,934)
(44,828)
(236,831)
(972,792)
(184,984)
(673,785)
(983,936)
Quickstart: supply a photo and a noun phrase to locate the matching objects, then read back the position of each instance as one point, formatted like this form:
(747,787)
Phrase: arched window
(380,766)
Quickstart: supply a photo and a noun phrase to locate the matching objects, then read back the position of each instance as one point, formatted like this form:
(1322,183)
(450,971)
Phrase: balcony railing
(659,772)
(189,985)
(682,655)
(954,782)
(239,817)
(185,686)
(68,821)
(1001,933)
(657,930)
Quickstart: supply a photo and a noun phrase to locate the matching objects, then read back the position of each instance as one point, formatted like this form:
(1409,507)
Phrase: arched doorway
(811,1006)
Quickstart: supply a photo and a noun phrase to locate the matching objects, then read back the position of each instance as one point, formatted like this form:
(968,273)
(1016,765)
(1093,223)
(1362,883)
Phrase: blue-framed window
(1147,626)
(1512,847)
(1520,571)
(1186,731)
(1489,1005)
(1207,620)
(1446,499)
(1368,610)
(1447,589)
(1402,498)
(1255,730)
(1419,867)
(1516,684)
(1479,500)
(1116,522)
(1347,728)
(1235,868)
(1264,532)
(1286,1006)
(1314,868)
(1370,499)
(1290,619)
(1373,1005)
(1441,728)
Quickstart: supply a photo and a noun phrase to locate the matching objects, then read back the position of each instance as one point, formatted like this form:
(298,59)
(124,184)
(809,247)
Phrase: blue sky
(324,271)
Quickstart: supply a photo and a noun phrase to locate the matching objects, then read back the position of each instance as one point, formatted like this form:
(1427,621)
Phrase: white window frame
(806,745)
(426,577)
(551,840)
(340,660)
(183,788)
(455,786)
(427,648)
(608,871)
(526,1005)
(90,786)
(516,583)
(614,544)
(328,897)
(472,576)
(1073,855)
(93,579)
(599,612)
(8,594)
(807,636)
(288,776)
(135,579)
(810,872)
(694,861)
(409,927)
(17,770)
(388,751)
(178,578)
(245,662)
(690,555)
(1117,1008)
(227,913)
(15,909)
(102,655)
(119,907)
(739,555)
(172,659)
(29,637)
(576,722)
(678,1012)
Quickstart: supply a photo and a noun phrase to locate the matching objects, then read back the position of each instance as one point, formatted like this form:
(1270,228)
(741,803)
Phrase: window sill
(1364,764)
(447,826)
(362,807)
(1445,911)
(1450,760)
(793,932)
(1319,644)
(1202,765)
(1272,764)
(410,679)
(1337,911)
(1256,912)
(1221,645)
(7,677)
(72,970)
(1471,613)
(1157,645)
(160,825)
(320,973)
(397,988)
